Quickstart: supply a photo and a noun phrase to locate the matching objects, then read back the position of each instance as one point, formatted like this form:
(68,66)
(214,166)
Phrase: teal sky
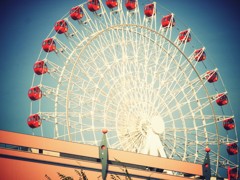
(24,24)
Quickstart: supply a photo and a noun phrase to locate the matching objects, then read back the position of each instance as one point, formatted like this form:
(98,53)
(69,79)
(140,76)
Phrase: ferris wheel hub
(143,127)
(157,125)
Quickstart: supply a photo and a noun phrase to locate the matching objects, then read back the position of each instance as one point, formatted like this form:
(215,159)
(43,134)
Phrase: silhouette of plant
(83,176)
(81,173)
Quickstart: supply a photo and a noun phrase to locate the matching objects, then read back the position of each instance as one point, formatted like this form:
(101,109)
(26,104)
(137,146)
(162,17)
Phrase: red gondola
(200,55)
(211,76)
(34,121)
(40,67)
(233,173)
(222,99)
(111,3)
(76,13)
(232,148)
(93,5)
(149,10)
(61,26)
(184,36)
(49,45)
(35,93)
(131,4)
(168,20)
(228,124)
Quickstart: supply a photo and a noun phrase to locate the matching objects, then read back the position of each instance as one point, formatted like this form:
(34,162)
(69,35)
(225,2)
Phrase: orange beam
(48,144)
(91,152)
(26,165)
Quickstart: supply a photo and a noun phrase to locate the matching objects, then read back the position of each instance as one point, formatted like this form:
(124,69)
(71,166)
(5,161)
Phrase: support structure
(103,155)
(206,165)
(26,156)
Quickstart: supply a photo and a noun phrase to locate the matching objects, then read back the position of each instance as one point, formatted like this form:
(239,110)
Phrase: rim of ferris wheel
(143,78)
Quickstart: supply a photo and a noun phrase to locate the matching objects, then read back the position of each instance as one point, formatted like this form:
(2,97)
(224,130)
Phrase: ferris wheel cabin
(131,4)
(49,45)
(222,99)
(233,173)
(200,55)
(76,13)
(93,5)
(35,93)
(34,121)
(111,3)
(61,26)
(184,36)
(168,21)
(149,10)
(211,76)
(40,67)
(228,124)
(232,148)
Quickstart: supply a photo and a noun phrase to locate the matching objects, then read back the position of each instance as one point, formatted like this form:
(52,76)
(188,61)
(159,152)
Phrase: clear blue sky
(24,24)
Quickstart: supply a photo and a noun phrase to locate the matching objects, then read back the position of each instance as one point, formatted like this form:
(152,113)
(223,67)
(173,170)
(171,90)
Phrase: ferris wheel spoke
(110,51)
(223,162)
(56,72)
(179,73)
(190,94)
(127,143)
(105,56)
(176,77)
(208,119)
(196,109)
(212,122)
(73,36)
(63,49)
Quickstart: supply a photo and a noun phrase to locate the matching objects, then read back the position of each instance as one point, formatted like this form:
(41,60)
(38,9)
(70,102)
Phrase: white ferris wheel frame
(99,36)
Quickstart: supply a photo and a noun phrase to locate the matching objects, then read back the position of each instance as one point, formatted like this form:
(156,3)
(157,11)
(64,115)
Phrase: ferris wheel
(138,71)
